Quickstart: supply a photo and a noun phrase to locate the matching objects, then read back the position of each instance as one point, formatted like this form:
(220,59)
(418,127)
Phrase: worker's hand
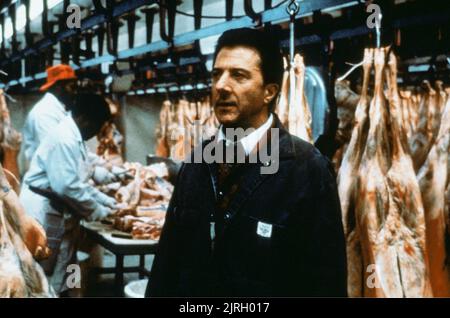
(121,206)
(35,238)
(102,175)
(100,213)
(110,203)
(121,173)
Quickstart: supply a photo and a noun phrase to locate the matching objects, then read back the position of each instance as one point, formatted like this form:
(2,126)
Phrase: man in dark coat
(232,230)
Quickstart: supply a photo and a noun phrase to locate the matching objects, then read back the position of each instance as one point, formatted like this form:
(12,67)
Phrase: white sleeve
(28,144)
(63,175)
(95,159)
(42,126)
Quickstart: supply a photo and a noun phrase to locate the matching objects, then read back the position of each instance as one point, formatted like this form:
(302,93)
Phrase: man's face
(89,128)
(70,87)
(68,92)
(239,95)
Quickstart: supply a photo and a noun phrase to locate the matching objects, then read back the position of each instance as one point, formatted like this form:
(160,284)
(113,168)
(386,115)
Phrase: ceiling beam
(277,15)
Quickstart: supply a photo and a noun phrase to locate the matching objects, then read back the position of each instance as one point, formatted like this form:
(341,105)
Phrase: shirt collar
(55,101)
(249,142)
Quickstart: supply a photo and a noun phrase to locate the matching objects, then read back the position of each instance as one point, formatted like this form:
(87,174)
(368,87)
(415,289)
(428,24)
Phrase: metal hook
(167,9)
(292,9)
(248,8)
(378,29)
(9,97)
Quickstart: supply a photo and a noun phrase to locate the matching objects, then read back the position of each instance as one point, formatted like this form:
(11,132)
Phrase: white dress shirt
(250,141)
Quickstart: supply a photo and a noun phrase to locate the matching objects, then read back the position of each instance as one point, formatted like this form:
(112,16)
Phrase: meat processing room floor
(102,285)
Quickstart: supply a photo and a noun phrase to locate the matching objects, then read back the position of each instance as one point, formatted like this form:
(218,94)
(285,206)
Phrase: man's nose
(222,84)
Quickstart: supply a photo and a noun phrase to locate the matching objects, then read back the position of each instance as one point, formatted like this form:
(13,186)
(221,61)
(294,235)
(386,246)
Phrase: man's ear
(270,92)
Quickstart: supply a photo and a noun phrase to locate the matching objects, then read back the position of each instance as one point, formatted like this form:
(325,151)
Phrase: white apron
(62,230)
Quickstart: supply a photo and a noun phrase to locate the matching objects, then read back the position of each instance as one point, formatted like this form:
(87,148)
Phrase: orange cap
(57,73)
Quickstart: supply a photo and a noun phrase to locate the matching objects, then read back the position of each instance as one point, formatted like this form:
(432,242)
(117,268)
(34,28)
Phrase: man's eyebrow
(234,69)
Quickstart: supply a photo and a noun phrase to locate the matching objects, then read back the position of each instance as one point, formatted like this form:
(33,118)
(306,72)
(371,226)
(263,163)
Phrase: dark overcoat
(282,233)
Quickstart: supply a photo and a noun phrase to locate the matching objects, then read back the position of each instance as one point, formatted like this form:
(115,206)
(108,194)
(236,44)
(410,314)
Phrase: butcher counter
(116,242)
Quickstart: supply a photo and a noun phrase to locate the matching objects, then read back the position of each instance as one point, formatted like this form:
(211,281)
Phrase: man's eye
(239,75)
(215,74)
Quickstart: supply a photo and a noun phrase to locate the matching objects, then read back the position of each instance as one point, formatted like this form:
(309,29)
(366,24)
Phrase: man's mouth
(225,104)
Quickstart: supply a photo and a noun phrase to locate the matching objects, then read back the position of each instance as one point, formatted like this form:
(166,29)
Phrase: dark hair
(267,46)
(92,107)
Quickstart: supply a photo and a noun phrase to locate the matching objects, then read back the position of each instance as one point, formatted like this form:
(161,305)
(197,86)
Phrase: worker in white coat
(57,192)
(56,104)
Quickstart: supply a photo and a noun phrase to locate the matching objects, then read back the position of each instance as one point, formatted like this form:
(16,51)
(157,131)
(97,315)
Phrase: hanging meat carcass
(389,216)
(282,107)
(165,121)
(347,183)
(414,113)
(421,141)
(441,100)
(10,139)
(372,203)
(21,239)
(110,144)
(178,142)
(433,180)
(346,102)
(179,130)
(405,223)
(300,118)
(406,105)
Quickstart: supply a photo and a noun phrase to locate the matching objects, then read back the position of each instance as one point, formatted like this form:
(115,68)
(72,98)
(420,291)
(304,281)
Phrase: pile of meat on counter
(143,194)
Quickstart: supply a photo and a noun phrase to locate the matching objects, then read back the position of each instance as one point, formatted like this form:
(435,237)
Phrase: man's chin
(227,120)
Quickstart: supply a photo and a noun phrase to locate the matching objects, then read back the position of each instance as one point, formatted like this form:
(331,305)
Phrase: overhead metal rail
(275,15)
(278,15)
(426,19)
(97,18)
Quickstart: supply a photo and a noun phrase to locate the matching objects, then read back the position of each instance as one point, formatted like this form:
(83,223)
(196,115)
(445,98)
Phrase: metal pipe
(292,9)
(229,9)
(149,18)
(167,9)
(378,29)
(249,11)
(198,5)
(131,19)
(100,40)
